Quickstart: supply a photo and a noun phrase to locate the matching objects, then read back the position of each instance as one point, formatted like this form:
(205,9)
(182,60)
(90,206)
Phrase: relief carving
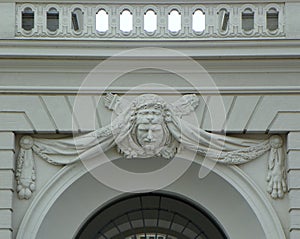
(150,127)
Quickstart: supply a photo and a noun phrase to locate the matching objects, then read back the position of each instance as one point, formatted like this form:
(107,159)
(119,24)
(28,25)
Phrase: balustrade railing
(161,21)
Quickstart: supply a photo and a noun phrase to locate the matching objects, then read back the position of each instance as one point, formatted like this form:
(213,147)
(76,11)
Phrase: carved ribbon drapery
(150,111)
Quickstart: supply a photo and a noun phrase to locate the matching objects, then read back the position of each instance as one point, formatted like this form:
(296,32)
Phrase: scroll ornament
(150,127)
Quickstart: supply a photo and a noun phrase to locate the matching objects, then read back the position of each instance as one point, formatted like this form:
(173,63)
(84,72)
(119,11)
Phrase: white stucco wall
(257,78)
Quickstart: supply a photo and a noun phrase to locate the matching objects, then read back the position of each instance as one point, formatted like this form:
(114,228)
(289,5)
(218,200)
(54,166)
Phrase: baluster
(261,23)
(41,20)
(211,21)
(65,21)
(235,21)
(185,21)
(90,25)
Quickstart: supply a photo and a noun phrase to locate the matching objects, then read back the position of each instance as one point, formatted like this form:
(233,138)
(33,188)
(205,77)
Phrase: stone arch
(221,192)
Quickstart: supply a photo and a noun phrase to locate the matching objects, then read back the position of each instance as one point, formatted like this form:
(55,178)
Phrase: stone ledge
(203,49)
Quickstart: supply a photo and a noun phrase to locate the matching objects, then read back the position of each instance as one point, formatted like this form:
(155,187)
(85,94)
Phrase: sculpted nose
(150,117)
(149,135)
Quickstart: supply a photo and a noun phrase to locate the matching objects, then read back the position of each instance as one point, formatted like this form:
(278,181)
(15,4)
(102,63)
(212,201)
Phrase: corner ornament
(150,127)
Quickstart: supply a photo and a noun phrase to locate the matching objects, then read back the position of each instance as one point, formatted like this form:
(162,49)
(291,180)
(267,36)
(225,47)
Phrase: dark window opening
(77,20)
(272,19)
(248,20)
(223,20)
(28,19)
(151,216)
(52,20)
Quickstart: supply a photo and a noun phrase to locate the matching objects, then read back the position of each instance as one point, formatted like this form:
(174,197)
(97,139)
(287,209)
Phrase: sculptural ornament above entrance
(150,127)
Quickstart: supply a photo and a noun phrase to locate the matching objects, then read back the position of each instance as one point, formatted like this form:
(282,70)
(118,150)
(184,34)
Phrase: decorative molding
(241,90)
(150,127)
(25,172)
(95,49)
(20,116)
(7,185)
(214,23)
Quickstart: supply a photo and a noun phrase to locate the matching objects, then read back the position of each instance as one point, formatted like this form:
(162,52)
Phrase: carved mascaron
(149,127)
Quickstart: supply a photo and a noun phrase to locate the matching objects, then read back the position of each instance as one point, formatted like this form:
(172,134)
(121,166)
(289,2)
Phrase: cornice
(95,49)
(148,1)
(241,90)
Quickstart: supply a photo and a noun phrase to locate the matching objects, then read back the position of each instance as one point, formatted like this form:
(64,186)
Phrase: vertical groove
(204,111)
(272,121)
(30,122)
(73,115)
(97,112)
(48,113)
(228,113)
(253,113)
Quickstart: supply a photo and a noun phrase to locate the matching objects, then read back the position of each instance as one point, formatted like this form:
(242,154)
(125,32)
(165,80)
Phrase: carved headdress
(127,140)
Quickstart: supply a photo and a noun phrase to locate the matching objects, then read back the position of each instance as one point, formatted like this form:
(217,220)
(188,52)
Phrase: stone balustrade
(140,22)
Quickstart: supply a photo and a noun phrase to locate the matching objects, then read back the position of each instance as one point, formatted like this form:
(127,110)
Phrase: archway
(70,199)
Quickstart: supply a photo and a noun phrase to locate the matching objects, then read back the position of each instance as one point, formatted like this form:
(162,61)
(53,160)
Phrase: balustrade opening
(223,20)
(198,21)
(248,20)
(126,25)
(28,19)
(52,19)
(102,21)
(272,19)
(77,20)
(150,21)
(174,21)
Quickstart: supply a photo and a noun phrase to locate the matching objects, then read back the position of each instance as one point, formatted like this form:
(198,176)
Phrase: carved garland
(150,127)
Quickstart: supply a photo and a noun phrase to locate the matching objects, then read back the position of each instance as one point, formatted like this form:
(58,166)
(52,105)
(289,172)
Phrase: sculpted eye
(143,129)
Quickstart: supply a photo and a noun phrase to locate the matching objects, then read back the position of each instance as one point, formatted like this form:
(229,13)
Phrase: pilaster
(7,22)
(7,151)
(293,169)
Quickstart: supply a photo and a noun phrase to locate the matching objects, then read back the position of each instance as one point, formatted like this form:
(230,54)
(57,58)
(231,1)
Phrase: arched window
(126,21)
(27,19)
(272,19)
(150,236)
(174,21)
(248,19)
(77,20)
(150,21)
(151,216)
(198,21)
(102,21)
(52,19)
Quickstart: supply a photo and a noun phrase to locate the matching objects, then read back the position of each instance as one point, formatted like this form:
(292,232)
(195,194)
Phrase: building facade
(203,97)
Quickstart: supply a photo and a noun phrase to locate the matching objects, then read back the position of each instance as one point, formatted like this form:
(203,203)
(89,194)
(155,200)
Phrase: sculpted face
(149,131)
(150,136)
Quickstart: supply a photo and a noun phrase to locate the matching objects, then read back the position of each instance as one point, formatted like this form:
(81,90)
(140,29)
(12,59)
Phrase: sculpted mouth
(149,141)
